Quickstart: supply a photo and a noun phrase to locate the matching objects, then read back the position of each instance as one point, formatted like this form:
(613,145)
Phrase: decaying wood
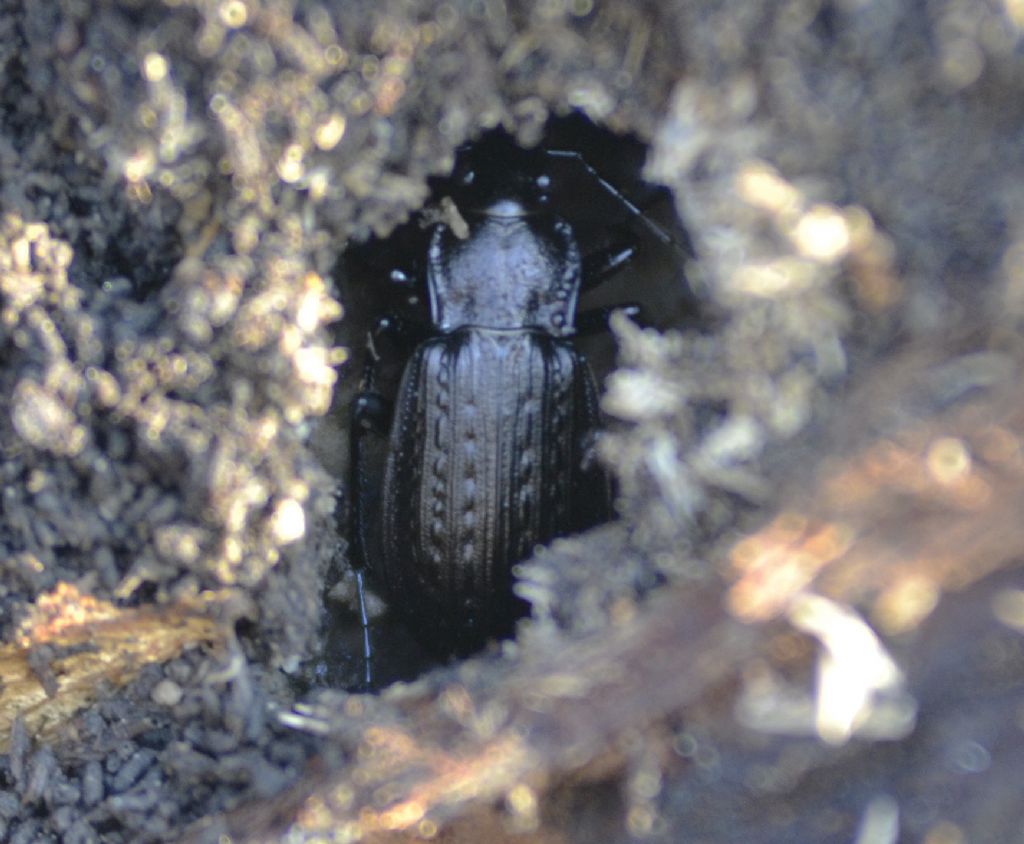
(927,506)
(73,648)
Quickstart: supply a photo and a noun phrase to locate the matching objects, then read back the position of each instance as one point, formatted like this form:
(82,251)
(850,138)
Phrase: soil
(180,338)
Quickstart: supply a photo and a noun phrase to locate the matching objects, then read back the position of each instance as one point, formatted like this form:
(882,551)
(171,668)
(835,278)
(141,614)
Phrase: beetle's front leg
(601,264)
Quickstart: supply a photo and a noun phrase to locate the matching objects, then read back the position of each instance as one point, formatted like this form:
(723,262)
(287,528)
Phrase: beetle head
(497,177)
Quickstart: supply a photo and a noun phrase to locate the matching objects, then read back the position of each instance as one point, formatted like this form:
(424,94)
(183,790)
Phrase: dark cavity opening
(626,227)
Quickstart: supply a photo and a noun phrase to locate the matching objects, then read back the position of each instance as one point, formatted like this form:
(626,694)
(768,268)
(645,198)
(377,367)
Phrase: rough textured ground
(177,183)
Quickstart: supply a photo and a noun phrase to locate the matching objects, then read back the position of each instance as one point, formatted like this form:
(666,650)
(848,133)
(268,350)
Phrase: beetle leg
(364,621)
(599,265)
(371,417)
(390,338)
(595,320)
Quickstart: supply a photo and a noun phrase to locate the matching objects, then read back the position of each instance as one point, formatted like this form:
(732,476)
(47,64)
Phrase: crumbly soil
(178,183)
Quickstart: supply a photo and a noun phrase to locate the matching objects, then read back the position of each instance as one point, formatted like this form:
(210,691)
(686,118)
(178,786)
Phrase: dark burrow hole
(595,184)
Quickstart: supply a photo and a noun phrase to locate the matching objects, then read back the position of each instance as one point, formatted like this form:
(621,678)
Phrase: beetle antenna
(652,226)
(364,620)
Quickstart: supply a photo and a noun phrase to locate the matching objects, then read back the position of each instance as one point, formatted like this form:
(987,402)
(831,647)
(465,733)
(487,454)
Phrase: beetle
(487,449)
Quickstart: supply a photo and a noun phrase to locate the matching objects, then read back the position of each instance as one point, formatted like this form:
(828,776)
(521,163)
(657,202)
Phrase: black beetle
(489,448)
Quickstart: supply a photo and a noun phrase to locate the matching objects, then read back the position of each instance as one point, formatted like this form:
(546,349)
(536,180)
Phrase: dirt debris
(177,182)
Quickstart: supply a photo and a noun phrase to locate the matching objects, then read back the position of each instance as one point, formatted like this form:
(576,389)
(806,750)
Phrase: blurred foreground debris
(929,506)
(422,754)
(74,649)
